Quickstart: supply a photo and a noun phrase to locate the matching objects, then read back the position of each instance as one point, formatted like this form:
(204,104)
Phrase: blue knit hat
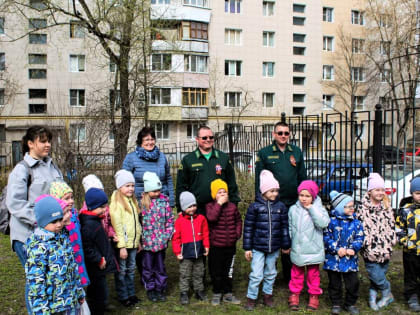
(151,182)
(95,198)
(339,200)
(47,210)
(415,184)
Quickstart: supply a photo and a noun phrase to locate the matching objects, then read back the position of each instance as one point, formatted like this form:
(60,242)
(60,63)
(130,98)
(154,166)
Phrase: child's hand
(115,238)
(180,257)
(102,264)
(342,252)
(206,251)
(248,255)
(285,251)
(123,253)
(221,199)
(139,248)
(350,252)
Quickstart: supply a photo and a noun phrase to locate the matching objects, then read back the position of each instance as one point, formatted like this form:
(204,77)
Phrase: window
(37,108)
(161,2)
(37,23)
(359,130)
(328,101)
(37,4)
(357,74)
(160,96)
(327,72)
(76,30)
(268,8)
(194,96)
(197,3)
(37,59)
(384,20)
(2,61)
(328,43)
(385,75)
(268,99)
(115,98)
(194,30)
(233,6)
(1,97)
(298,110)
(327,14)
(2,138)
(161,131)
(268,69)
(299,38)
(1,25)
(235,127)
(359,102)
(357,45)
(37,38)
(37,73)
(268,39)
(357,17)
(77,97)
(385,101)
(161,62)
(299,50)
(298,21)
(192,130)
(267,130)
(233,67)
(37,93)
(298,67)
(233,99)
(196,63)
(112,66)
(77,63)
(298,80)
(77,132)
(384,48)
(233,37)
(298,98)
(299,8)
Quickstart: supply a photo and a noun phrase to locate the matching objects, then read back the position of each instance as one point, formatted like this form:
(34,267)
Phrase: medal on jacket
(218,169)
(292,160)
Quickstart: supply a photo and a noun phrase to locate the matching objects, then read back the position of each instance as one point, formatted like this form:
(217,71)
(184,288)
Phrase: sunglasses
(205,138)
(280,133)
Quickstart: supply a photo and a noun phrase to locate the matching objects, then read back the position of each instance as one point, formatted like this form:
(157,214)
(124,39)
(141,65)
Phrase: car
(408,156)
(391,154)
(244,161)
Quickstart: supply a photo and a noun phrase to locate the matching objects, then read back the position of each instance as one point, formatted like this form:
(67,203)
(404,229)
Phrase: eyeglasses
(280,133)
(149,139)
(348,207)
(205,138)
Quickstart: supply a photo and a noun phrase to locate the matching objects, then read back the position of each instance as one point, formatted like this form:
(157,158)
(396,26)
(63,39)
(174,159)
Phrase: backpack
(4,212)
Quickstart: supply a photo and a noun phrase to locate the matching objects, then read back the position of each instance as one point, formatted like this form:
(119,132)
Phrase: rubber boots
(372,299)
(387,298)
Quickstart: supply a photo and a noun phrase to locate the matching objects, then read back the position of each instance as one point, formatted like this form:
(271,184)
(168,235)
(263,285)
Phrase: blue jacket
(342,232)
(266,227)
(138,166)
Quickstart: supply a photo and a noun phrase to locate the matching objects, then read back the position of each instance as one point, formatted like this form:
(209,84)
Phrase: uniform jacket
(225,224)
(158,224)
(105,221)
(408,228)
(266,226)
(342,232)
(306,231)
(51,273)
(126,223)
(196,173)
(191,236)
(287,167)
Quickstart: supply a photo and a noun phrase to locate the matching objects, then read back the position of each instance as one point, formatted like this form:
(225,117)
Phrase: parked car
(408,156)
(391,154)
(244,161)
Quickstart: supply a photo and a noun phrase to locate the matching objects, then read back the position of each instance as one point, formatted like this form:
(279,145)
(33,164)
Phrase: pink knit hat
(310,186)
(375,181)
(267,181)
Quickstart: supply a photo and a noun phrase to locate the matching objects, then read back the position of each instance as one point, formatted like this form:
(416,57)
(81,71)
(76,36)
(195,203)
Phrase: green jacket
(287,167)
(196,173)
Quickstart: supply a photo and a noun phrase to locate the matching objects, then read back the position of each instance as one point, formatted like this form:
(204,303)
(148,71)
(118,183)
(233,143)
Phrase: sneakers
(230,298)
(268,300)
(201,295)
(215,301)
(387,298)
(313,302)
(184,298)
(336,309)
(413,303)
(151,295)
(134,299)
(126,303)
(372,299)
(161,296)
(250,304)
(352,309)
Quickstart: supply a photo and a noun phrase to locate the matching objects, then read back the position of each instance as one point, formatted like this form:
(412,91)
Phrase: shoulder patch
(181,167)
(289,147)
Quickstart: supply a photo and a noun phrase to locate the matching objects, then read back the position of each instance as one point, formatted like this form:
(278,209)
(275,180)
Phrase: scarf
(148,155)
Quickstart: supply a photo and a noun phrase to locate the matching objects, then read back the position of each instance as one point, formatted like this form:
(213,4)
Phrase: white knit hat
(123,177)
(92,181)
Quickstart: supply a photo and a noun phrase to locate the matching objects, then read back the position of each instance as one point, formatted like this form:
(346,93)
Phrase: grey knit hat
(123,177)
(186,199)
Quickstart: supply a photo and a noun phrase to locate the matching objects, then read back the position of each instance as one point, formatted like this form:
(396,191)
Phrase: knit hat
(339,200)
(47,210)
(151,182)
(123,177)
(186,199)
(375,181)
(415,184)
(216,185)
(95,198)
(92,181)
(310,186)
(267,181)
(62,203)
(59,189)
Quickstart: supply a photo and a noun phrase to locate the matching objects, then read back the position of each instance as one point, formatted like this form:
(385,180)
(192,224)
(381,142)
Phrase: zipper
(193,232)
(269,226)
(135,224)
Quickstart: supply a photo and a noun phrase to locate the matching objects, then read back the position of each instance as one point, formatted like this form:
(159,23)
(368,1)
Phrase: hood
(336,214)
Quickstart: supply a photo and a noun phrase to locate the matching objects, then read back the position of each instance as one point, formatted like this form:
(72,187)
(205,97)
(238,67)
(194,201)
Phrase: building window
(233,67)
(37,73)
(37,59)
(37,23)
(298,80)
(197,3)
(299,67)
(359,102)
(298,21)
(299,38)
(1,25)
(161,1)
(328,101)
(77,97)
(233,99)
(37,93)
(299,51)
(384,20)
(385,75)
(194,96)
(268,8)
(161,62)
(77,132)
(357,17)
(76,30)
(357,74)
(77,63)
(233,6)
(196,63)
(161,131)
(37,108)
(298,8)
(357,45)
(115,98)
(327,72)
(268,69)
(328,14)
(192,130)
(235,127)
(1,97)
(2,61)
(233,37)
(268,39)
(194,30)
(385,48)
(112,66)
(298,111)
(328,43)
(268,99)
(37,4)
(37,38)
(298,98)
(385,101)
(160,96)
(2,138)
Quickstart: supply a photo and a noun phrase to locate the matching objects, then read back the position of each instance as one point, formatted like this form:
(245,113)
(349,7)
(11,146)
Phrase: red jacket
(225,224)
(191,236)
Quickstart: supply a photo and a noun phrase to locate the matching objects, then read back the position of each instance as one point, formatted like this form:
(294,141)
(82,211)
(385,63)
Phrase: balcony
(194,113)
(179,12)
(162,112)
(187,45)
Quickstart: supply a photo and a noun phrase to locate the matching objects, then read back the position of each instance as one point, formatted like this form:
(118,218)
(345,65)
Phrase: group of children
(71,250)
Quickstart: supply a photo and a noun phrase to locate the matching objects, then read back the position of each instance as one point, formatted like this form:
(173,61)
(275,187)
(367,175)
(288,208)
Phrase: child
(124,212)
(189,244)
(158,226)
(225,225)
(63,192)
(307,219)
(51,272)
(407,228)
(265,233)
(343,239)
(379,227)
(99,255)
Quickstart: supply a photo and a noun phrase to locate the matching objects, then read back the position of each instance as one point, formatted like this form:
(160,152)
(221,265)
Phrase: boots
(250,304)
(372,299)
(313,302)
(294,301)
(387,298)
(268,300)
(413,303)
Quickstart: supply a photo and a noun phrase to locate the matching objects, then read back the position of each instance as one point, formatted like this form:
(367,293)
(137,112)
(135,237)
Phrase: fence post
(283,117)
(377,140)
(230,144)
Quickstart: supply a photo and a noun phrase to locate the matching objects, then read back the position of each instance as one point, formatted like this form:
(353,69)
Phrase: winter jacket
(51,273)
(126,223)
(158,224)
(225,224)
(20,201)
(105,221)
(306,231)
(96,245)
(343,232)
(266,226)
(191,236)
(408,228)
(138,166)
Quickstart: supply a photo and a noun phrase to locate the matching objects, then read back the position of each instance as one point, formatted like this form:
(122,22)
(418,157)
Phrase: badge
(218,169)
(292,160)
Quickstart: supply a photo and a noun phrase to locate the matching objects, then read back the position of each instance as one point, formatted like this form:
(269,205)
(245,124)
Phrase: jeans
(377,275)
(263,267)
(21,253)
(124,279)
